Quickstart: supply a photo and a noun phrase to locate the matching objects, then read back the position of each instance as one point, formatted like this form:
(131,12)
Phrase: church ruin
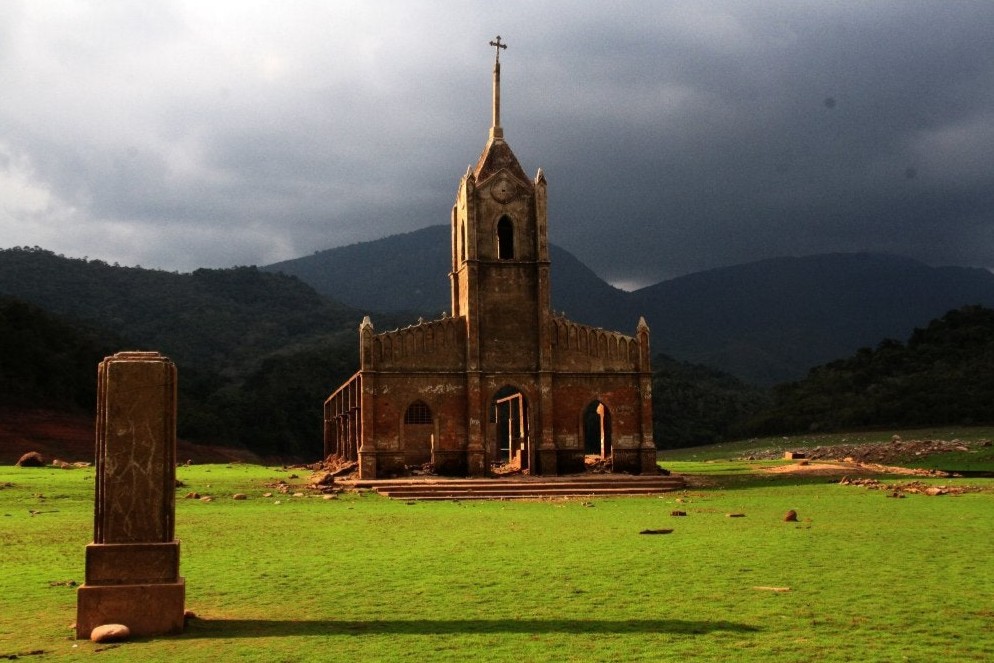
(503,379)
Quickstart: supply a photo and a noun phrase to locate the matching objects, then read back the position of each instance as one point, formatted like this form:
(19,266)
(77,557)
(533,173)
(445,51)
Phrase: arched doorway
(509,416)
(597,430)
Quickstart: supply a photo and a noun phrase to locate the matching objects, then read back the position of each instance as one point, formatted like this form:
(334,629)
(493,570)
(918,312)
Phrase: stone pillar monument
(132,566)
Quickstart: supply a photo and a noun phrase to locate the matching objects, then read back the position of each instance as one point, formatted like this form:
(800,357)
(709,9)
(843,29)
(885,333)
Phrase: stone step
(609,481)
(519,495)
(497,489)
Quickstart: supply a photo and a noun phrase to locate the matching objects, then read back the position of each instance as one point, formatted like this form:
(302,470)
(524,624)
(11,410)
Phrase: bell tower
(500,256)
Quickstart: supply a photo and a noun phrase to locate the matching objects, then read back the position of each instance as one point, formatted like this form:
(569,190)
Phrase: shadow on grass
(262,628)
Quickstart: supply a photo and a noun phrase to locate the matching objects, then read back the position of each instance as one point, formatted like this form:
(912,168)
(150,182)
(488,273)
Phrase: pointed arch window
(505,239)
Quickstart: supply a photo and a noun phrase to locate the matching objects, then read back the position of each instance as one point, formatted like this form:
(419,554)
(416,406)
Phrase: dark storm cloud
(675,136)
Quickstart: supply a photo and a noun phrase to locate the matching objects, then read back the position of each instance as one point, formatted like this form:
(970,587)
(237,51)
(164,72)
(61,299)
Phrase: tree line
(259,352)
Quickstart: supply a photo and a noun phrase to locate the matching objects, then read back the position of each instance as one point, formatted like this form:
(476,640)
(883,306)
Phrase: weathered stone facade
(503,378)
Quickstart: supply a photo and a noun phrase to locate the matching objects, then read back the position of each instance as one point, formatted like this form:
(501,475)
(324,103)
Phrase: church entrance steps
(522,487)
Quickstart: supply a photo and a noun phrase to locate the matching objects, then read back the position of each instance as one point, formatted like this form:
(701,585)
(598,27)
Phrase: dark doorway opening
(597,430)
(509,414)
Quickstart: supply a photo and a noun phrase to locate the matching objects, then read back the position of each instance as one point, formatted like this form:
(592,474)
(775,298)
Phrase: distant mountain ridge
(765,322)
(409,273)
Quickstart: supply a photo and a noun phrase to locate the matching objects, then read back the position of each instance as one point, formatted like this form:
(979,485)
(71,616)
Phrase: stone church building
(503,379)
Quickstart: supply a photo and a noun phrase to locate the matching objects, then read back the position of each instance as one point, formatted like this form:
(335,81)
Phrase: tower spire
(496,132)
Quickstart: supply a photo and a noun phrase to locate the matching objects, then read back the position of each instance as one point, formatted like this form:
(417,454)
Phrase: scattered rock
(322,479)
(31,459)
(239,496)
(206,498)
(329,497)
(110,633)
(62,465)
(267,494)
(298,494)
(773,589)
(192,496)
(893,452)
(912,487)
(790,516)
(656,531)
(678,513)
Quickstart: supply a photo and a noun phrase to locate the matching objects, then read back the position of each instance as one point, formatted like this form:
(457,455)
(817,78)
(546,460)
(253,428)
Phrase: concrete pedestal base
(150,609)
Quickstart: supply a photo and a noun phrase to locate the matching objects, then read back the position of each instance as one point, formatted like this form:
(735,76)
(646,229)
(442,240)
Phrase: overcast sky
(675,136)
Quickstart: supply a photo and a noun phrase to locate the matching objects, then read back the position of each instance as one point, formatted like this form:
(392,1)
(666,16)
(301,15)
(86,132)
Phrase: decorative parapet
(593,348)
(436,344)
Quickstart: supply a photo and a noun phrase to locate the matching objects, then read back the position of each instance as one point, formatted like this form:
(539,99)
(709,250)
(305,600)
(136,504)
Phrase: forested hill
(223,320)
(47,361)
(410,272)
(943,374)
(765,322)
(257,352)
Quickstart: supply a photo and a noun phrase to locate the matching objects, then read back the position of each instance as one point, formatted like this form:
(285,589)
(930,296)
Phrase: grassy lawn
(365,578)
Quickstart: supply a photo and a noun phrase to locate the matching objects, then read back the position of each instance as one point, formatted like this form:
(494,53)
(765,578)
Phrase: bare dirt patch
(72,437)
(842,468)
(885,454)
(899,489)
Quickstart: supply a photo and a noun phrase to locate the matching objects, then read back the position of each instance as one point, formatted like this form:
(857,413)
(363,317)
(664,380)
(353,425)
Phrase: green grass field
(364,578)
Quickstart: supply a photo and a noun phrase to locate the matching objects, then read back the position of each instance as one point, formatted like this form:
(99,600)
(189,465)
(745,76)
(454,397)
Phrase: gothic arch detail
(505,238)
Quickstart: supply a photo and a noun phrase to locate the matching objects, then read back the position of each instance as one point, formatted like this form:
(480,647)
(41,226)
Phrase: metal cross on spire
(498,45)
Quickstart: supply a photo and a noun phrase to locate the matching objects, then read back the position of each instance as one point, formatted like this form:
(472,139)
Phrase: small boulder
(322,479)
(790,516)
(239,496)
(31,459)
(110,633)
